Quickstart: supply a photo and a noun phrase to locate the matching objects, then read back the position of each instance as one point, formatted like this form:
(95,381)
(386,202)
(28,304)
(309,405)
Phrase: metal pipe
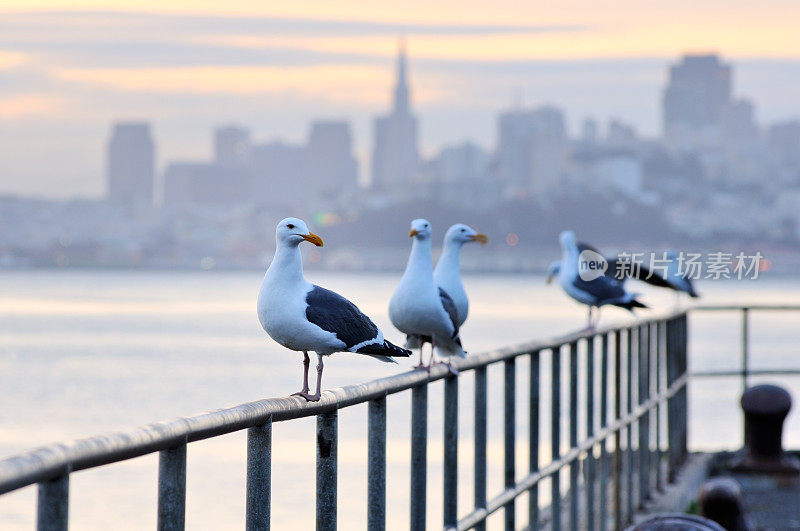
(419,458)
(533,441)
(509,432)
(603,497)
(327,450)
(629,431)
(590,462)
(617,435)
(52,512)
(574,498)
(450,497)
(644,422)
(480,443)
(172,489)
(259,474)
(555,437)
(376,465)
(659,385)
(745,358)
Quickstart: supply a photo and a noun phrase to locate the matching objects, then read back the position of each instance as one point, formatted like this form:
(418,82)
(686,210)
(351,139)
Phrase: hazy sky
(68,69)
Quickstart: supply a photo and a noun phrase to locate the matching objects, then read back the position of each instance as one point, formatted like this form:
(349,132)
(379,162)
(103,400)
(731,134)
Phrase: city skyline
(68,72)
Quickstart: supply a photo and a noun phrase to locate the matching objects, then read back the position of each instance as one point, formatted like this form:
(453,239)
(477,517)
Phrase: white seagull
(448,269)
(304,317)
(419,307)
(601,291)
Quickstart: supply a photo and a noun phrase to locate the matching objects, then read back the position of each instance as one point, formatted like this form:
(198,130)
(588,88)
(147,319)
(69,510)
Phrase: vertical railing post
(259,467)
(509,432)
(419,457)
(684,408)
(172,489)
(629,431)
(376,465)
(618,522)
(327,451)
(658,353)
(52,511)
(590,462)
(555,437)
(574,499)
(673,373)
(480,442)
(644,420)
(450,511)
(603,498)
(745,347)
(533,441)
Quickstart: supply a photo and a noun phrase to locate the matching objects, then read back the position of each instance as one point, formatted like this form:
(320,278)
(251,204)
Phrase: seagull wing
(333,313)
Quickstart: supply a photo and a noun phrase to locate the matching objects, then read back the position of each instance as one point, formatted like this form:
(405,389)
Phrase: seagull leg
(306,363)
(589,319)
(433,346)
(421,346)
(320,366)
(450,367)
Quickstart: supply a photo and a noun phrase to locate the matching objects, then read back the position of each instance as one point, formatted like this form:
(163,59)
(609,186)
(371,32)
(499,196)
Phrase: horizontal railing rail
(633,378)
(745,371)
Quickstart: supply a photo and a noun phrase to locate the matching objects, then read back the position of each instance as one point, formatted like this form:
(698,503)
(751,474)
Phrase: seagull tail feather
(383,351)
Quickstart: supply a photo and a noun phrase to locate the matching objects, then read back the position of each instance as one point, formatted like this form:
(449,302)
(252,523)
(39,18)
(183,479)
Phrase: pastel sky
(67,70)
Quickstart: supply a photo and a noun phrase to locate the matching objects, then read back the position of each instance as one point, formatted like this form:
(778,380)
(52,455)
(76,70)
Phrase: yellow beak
(412,233)
(480,238)
(313,238)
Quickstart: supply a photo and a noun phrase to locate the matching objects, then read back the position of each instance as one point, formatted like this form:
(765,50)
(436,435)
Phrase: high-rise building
(332,167)
(532,149)
(395,158)
(695,99)
(232,145)
(131,161)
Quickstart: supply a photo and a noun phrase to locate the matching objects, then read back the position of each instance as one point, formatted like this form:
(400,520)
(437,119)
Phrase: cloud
(27,105)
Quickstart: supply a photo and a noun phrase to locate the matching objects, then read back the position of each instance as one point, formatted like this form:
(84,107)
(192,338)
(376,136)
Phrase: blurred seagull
(304,317)
(671,278)
(600,291)
(419,307)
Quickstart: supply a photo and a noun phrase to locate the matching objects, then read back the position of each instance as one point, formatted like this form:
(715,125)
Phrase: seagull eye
(290,226)
(463,230)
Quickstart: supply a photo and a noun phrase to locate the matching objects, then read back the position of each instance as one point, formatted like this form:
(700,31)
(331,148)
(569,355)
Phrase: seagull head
(461,234)
(420,229)
(567,240)
(293,231)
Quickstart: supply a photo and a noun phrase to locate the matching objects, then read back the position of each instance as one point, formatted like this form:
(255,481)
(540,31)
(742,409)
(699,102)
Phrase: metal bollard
(720,499)
(765,408)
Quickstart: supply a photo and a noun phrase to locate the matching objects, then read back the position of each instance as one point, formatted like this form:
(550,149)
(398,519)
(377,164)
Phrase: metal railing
(633,379)
(744,372)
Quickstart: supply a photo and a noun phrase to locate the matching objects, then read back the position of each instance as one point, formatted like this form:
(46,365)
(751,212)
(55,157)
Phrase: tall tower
(131,161)
(395,158)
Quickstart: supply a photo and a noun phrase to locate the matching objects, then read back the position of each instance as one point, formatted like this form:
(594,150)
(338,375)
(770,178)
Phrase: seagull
(448,269)
(307,318)
(419,307)
(677,279)
(447,273)
(599,291)
(672,278)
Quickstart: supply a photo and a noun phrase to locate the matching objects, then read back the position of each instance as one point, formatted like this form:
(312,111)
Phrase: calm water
(87,352)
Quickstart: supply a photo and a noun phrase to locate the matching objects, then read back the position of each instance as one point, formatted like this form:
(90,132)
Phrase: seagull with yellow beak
(421,309)
(307,318)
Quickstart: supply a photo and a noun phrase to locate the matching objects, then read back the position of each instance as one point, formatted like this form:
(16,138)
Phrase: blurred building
(532,149)
(332,168)
(232,146)
(131,164)
(698,91)
(280,173)
(395,157)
